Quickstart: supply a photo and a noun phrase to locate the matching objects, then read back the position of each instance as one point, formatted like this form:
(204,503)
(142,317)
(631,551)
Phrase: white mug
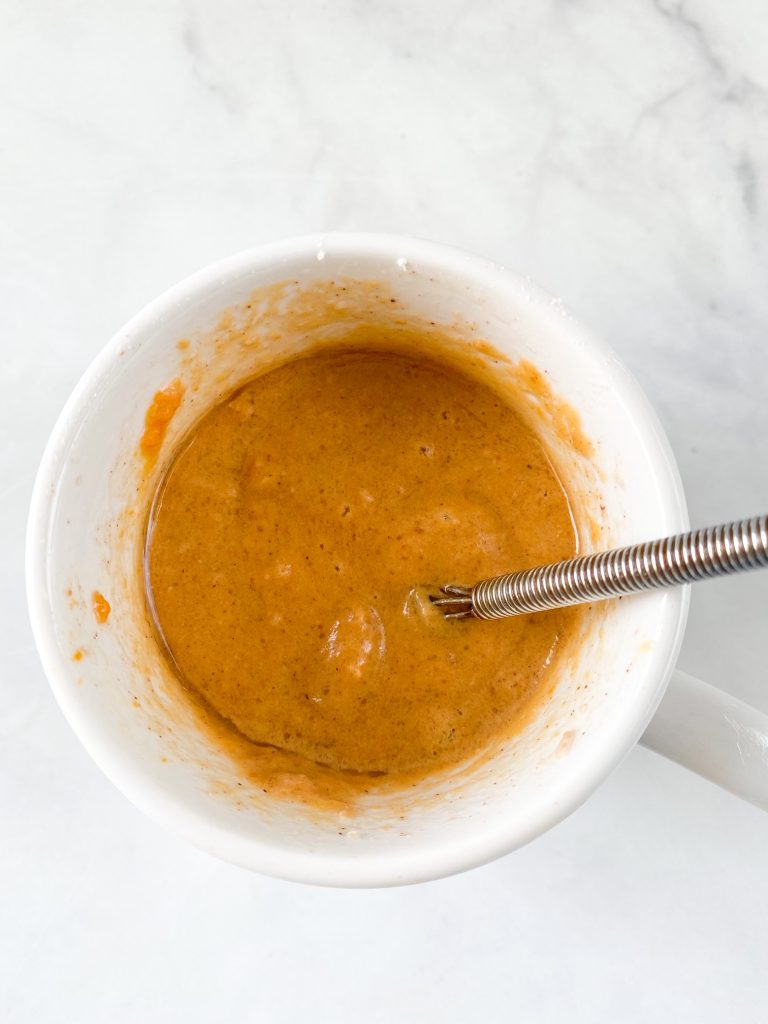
(111,681)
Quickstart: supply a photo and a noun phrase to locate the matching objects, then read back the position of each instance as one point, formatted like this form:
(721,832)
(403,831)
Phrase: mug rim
(147,793)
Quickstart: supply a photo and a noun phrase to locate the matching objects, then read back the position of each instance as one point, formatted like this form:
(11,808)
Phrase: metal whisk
(699,555)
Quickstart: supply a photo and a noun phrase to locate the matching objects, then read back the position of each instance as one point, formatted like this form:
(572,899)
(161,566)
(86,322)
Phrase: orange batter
(294,540)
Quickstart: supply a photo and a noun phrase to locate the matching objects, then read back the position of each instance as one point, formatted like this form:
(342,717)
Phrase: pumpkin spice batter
(298,531)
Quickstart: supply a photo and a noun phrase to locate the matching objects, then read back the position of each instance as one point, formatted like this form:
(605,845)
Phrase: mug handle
(715,735)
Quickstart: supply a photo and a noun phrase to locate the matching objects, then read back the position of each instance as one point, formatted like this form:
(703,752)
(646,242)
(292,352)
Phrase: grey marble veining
(615,152)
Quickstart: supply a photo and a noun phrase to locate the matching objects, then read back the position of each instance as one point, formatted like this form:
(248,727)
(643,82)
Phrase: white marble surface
(617,152)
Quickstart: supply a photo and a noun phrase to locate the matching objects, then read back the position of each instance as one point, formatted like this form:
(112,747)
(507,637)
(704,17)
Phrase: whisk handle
(700,554)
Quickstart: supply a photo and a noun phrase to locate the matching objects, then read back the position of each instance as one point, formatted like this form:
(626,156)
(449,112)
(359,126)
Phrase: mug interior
(88,516)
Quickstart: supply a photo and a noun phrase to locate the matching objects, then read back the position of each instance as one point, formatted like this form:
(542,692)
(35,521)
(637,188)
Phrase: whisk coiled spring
(714,551)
